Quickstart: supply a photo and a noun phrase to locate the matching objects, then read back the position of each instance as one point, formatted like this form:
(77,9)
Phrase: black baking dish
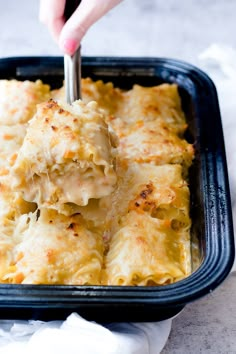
(210,203)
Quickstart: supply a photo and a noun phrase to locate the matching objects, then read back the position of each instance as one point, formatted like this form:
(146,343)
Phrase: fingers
(69,34)
(51,14)
(88,12)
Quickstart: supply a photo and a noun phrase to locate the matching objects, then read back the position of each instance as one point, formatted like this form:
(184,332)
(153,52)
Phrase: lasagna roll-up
(7,245)
(151,142)
(18,100)
(147,251)
(10,234)
(56,249)
(150,103)
(66,156)
(11,139)
(12,205)
(159,191)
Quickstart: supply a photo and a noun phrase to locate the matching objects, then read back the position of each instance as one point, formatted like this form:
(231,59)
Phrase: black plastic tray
(210,199)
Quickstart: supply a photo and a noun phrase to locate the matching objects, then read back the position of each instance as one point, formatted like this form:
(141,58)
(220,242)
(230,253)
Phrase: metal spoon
(72,64)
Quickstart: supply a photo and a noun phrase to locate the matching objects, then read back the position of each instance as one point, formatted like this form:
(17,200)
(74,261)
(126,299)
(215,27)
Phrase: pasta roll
(66,156)
(159,191)
(12,205)
(56,249)
(18,100)
(7,244)
(11,139)
(152,142)
(146,251)
(150,103)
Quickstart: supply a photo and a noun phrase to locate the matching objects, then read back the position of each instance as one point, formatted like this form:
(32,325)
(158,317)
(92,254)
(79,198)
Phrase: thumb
(87,13)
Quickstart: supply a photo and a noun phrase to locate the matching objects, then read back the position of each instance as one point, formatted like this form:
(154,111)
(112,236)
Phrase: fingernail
(69,46)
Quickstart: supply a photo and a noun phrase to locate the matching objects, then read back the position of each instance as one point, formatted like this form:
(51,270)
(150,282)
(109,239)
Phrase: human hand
(69,34)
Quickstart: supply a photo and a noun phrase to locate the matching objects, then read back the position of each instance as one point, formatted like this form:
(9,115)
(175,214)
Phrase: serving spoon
(72,63)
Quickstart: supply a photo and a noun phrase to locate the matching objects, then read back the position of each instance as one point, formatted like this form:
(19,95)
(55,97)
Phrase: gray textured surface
(208,325)
(180,29)
(135,28)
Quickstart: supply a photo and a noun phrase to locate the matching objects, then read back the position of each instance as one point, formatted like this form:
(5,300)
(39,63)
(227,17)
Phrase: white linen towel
(78,336)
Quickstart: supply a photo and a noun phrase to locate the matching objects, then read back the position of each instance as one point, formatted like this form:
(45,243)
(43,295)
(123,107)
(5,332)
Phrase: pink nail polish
(69,46)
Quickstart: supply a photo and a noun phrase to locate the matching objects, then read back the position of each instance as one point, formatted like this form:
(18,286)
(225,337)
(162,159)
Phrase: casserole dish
(212,230)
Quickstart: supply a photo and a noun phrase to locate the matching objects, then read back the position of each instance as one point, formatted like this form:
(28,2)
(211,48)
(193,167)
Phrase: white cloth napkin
(219,61)
(78,336)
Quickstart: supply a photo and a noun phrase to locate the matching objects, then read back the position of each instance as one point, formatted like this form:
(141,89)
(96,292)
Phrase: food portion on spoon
(66,157)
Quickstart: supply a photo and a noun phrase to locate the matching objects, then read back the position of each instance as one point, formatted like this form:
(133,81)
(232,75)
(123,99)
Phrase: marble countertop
(153,28)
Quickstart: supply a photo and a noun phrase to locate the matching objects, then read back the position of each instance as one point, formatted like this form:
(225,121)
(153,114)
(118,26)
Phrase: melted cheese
(159,191)
(91,228)
(146,251)
(106,95)
(66,156)
(18,100)
(11,139)
(153,103)
(148,227)
(7,243)
(151,142)
(56,249)
(12,205)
